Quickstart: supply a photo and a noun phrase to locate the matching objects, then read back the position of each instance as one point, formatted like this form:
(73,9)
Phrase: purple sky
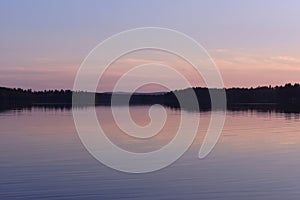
(42,43)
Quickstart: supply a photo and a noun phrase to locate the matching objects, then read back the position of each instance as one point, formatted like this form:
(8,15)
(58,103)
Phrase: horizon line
(154,92)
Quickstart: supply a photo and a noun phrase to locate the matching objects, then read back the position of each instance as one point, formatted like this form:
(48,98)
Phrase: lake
(256,157)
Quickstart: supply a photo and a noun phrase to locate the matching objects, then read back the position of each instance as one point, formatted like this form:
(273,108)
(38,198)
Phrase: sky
(44,42)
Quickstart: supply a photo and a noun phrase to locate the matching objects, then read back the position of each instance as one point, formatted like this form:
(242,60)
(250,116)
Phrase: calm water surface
(257,157)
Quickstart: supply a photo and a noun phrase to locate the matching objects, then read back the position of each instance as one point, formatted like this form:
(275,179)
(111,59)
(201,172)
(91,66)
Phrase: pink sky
(238,69)
(253,43)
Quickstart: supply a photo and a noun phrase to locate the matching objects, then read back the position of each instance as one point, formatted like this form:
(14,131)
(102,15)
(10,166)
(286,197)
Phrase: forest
(285,98)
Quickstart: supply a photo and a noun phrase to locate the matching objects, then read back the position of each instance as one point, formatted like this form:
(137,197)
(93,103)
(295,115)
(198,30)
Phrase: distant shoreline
(285,98)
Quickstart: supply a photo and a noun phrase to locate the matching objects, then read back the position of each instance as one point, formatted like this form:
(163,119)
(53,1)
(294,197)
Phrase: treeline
(285,97)
(19,96)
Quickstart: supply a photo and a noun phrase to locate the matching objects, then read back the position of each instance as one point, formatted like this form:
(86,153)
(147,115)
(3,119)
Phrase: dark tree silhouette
(285,98)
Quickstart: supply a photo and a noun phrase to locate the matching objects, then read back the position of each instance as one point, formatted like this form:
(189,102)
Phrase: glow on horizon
(257,70)
(253,44)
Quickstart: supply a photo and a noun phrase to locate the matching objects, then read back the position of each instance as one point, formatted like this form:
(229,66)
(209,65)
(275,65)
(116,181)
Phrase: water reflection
(257,157)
